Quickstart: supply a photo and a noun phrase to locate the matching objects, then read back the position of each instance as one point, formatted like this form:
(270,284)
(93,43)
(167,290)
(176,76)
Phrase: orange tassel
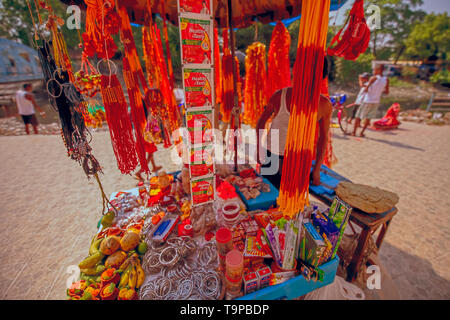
(303,120)
(255,94)
(278,68)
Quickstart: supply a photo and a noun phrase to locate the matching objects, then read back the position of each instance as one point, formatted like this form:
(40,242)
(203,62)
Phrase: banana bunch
(133,275)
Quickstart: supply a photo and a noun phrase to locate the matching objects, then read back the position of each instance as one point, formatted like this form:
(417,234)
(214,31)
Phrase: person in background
(279,108)
(375,87)
(363,79)
(26,105)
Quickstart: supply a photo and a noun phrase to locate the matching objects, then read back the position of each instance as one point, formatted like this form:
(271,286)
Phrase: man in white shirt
(377,85)
(26,105)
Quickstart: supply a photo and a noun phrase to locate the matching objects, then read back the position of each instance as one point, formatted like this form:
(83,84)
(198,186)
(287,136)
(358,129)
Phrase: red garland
(137,113)
(119,124)
(278,67)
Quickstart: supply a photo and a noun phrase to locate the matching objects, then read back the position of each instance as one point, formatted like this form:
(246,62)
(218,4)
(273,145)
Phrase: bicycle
(344,118)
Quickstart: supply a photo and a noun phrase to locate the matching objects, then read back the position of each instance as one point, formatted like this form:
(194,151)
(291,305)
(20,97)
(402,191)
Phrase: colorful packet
(339,215)
(197,85)
(195,6)
(202,190)
(199,125)
(201,161)
(195,40)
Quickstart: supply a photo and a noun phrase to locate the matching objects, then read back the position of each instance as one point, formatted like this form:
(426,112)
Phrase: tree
(430,38)
(398,17)
(16,22)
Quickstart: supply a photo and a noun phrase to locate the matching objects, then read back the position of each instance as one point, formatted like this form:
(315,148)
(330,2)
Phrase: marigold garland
(303,120)
(255,92)
(278,67)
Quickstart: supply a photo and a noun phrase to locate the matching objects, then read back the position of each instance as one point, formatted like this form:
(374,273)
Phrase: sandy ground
(49,210)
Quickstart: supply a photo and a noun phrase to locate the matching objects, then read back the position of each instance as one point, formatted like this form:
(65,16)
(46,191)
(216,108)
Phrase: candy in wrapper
(280,277)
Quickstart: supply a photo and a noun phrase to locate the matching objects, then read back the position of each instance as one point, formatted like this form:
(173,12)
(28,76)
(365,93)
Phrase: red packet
(201,162)
(195,41)
(202,190)
(197,84)
(199,125)
(196,6)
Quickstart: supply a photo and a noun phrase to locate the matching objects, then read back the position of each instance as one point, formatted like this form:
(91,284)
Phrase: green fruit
(94,271)
(108,219)
(91,261)
(94,246)
(142,248)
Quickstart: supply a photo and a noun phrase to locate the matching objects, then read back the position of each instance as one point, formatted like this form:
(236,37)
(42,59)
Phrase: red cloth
(390,118)
(150,147)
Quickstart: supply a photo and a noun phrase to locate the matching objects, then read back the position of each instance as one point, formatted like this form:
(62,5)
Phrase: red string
(119,123)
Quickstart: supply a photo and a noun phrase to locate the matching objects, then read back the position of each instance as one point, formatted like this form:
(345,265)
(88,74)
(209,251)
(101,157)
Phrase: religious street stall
(211,230)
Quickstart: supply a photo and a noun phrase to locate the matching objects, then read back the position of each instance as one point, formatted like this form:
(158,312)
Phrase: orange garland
(278,68)
(308,68)
(255,92)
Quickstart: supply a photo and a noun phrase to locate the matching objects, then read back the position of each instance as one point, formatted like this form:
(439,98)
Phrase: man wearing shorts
(25,105)
(377,85)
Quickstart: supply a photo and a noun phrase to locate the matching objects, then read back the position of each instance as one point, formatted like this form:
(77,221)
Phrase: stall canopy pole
(236,111)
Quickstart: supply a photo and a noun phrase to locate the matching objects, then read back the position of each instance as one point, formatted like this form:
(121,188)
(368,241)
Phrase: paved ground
(49,210)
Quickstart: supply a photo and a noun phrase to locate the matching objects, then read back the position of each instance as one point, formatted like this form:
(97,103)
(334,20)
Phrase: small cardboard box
(264,275)
(250,282)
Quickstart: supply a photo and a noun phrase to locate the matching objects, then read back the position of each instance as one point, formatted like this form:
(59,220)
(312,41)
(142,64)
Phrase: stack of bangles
(180,271)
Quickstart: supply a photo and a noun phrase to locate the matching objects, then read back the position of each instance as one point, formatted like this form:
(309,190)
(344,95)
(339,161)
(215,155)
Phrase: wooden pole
(236,109)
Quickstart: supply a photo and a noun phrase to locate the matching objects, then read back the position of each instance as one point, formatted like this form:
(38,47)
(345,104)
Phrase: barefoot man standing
(377,85)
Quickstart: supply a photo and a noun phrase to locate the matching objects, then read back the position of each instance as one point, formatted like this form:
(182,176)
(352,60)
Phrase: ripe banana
(125,277)
(140,275)
(133,278)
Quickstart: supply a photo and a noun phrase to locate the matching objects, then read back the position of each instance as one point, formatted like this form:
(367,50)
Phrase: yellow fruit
(116,259)
(91,261)
(133,278)
(129,241)
(125,277)
(110,245)
(94,246)
(140,275)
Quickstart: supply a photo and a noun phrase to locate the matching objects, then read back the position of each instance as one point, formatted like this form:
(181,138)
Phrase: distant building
(18,63)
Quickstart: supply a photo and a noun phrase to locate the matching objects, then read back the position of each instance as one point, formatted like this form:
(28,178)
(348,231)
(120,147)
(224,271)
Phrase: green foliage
(398,83)
(441,77)
(430,37)
(16,23)
(409,72)
(246,36)
(398,17)
(347,72)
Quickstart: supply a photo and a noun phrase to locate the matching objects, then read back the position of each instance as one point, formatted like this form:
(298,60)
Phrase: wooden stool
(369,224)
